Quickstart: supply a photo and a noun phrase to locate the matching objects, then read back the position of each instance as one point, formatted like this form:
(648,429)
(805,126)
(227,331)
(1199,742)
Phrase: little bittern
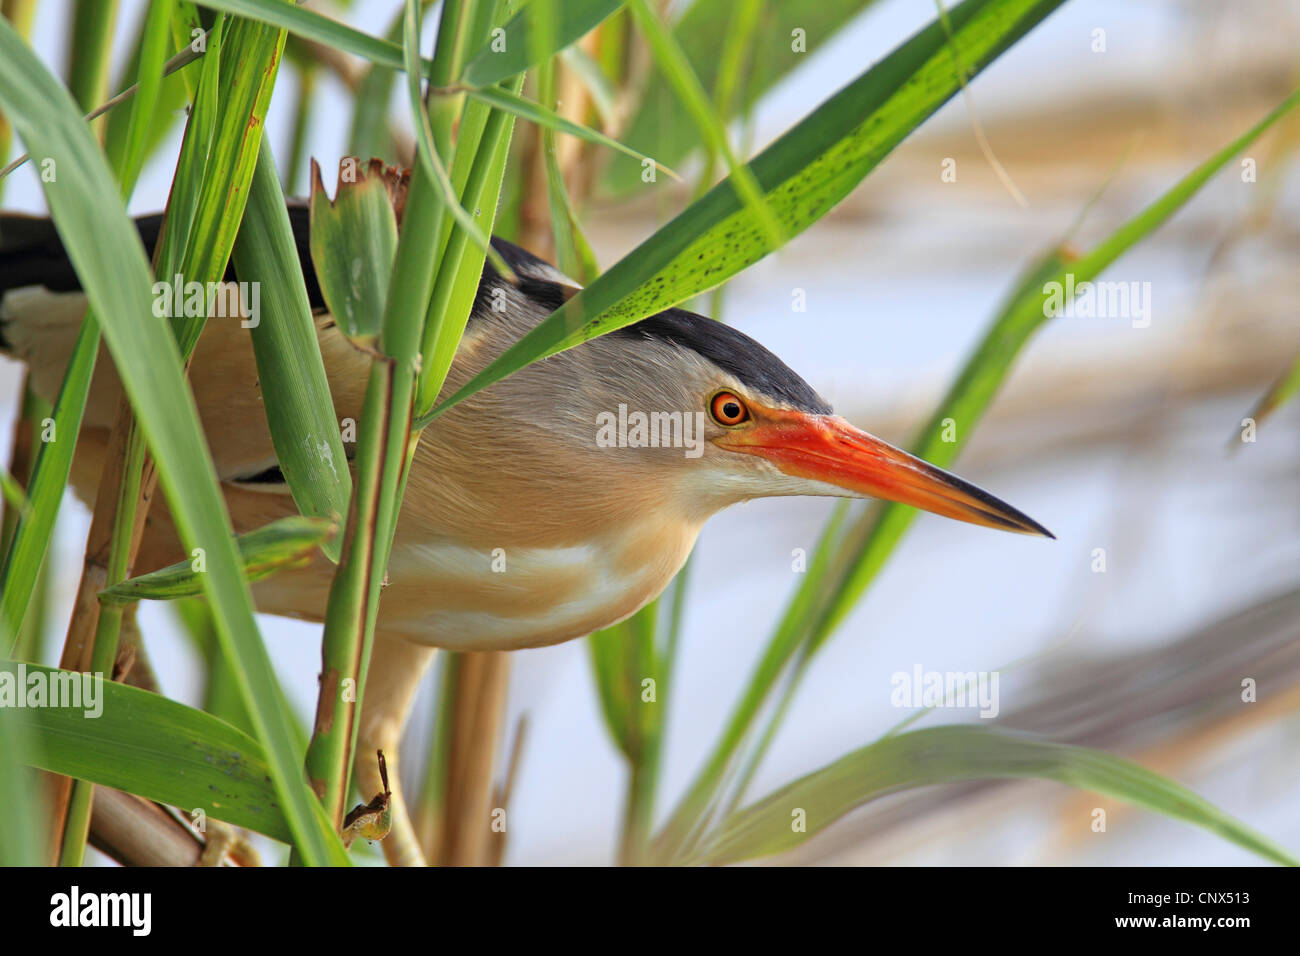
(587,476)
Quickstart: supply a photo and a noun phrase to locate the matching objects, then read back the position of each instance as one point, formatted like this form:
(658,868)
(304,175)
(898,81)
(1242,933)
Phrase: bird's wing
(41,308)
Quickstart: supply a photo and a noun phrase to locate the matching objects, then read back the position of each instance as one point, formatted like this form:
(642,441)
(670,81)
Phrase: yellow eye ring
(728,410)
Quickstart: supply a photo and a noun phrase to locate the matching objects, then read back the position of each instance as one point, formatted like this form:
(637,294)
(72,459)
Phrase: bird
(549,505)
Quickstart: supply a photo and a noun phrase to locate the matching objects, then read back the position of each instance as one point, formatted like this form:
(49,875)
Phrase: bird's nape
(829,451)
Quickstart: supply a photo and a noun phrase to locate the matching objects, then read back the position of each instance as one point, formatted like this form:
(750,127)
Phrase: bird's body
(497,548)
(522,523)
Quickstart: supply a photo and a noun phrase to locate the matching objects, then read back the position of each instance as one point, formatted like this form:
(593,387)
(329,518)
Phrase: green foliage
(353,241)
(802,176)
(281,544)
(1279,393)
(382,52)
(767,56)
(150,746)
(847,559)
(27,548)
(106,251)
(516,48)
(299,409)
(946,754)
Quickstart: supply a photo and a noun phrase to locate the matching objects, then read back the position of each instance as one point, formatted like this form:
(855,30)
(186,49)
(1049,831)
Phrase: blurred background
(1116,437)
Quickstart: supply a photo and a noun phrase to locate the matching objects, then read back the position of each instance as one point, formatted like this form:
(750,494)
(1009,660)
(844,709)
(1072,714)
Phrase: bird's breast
(503,598)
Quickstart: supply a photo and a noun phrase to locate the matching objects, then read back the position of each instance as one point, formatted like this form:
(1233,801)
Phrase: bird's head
(754,428)
(682,412)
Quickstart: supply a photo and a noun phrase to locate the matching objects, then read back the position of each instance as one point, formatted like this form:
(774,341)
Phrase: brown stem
(138,832)
(79,644)
(476,722)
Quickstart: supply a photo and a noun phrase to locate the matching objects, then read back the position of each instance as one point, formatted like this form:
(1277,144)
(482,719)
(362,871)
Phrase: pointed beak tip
(1010,519)
(831,451)
(1018,521)
(1007,519)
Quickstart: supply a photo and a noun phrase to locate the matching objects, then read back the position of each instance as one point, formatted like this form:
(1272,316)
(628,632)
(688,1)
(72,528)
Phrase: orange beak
(828,449)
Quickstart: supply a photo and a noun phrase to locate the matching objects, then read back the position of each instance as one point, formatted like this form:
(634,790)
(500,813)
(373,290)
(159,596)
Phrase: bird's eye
(727,409)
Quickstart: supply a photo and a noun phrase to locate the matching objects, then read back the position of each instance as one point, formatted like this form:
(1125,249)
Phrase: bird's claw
(373,820)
